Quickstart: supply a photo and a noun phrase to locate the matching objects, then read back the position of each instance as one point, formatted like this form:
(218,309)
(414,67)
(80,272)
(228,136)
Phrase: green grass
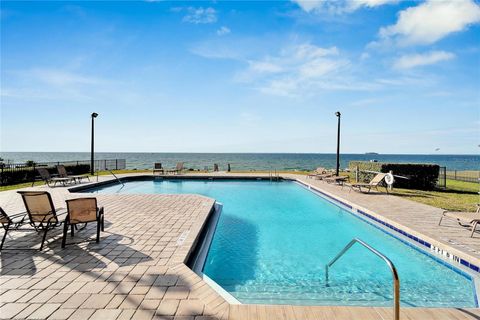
(458,196)
(39,183)
(106,173)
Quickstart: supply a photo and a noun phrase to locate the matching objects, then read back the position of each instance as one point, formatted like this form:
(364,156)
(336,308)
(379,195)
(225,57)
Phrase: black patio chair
(11,223)
(82,210)
(41,212)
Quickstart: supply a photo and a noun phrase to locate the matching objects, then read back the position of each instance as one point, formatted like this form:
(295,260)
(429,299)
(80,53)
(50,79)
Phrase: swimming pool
(273,240)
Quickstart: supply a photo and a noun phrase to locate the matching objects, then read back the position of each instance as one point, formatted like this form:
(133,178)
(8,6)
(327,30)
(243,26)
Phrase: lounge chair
(465,219)
(49,179)
(41,212)
(316,172)
(178,168)
(82,210)
(62,173)
(336,179)
(10,223)
(157,167)
(374,183)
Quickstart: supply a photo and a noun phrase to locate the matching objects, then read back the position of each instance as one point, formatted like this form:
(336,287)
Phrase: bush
(27,174)
(420,176)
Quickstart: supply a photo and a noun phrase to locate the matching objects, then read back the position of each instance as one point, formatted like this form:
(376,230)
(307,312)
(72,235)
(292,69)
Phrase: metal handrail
(396,280)
(119,181)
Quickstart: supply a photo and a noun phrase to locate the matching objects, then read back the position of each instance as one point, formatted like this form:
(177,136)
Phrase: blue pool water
(273,240)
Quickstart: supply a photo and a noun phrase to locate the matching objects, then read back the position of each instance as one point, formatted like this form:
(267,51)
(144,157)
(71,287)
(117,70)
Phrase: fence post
(356,174)
(33,175)
(445,177)
(455,174)
(1,179)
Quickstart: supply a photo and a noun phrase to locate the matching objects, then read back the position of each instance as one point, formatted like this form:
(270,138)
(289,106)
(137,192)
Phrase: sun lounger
(49,179)
(374,183)
(41,212)
(316,172)
(157,167)
(11,223)
(82,210)
(465,219)
(62,173)
(178,168)
(336,179)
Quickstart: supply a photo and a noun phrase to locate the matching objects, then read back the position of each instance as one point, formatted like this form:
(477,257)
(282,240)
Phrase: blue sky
(241,76)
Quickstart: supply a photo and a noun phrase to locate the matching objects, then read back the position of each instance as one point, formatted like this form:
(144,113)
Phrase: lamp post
(94,115)
(338,143)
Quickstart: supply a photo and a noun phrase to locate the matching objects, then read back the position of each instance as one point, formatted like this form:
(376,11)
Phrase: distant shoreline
(247,161)
(307,153)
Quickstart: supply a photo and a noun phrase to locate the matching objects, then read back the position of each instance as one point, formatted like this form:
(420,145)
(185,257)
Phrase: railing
(466,176)
(118,180)
(14,173)
(273,175)
(396,280)
(442,178)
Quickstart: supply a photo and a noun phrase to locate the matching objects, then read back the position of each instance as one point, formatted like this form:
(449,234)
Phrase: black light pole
(94,115)
(338,143)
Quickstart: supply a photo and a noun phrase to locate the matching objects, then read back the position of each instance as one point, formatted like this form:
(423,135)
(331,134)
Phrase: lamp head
(337,114)
(94,115)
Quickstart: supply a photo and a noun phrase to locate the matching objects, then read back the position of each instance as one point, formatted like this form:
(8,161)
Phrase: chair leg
(99,225)
(65,231)
(441,218)
(474,226)
(72,227)
(44,235)
(4,236)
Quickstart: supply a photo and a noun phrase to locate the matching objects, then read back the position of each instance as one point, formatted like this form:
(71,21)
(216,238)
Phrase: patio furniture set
(42,216)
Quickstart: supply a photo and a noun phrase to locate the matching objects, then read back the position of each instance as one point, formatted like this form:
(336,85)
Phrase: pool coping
(195,234)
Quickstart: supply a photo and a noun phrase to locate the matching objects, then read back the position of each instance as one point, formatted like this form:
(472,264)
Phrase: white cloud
(431,21)
(309,5)
(415,60)
(295,70)
(356,4)
(200,15)
(223,31)
(264,67)
(339,6)
(59,77)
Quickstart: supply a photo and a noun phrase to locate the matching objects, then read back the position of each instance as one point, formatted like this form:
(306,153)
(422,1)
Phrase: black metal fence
(14,173)
(442,178)
(467,176)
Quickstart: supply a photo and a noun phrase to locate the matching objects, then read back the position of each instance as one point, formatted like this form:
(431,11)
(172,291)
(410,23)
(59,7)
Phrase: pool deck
(137,270)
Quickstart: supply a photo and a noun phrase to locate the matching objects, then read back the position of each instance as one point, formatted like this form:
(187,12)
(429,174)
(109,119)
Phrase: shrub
(420,176)
(27,174)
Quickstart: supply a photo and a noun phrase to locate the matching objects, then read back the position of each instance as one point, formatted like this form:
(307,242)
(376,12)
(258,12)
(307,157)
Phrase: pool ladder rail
(273,175)
(116,178)
(396,280)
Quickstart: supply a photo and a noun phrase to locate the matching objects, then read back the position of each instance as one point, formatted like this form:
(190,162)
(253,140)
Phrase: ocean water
(273,240)
(248,161)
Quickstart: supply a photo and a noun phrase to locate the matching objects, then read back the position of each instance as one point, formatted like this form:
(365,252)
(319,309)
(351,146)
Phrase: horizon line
(190,152)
